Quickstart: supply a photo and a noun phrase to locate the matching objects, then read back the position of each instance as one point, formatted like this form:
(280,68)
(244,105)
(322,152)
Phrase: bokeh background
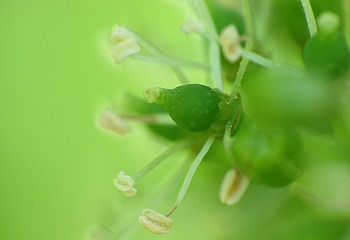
(57,166)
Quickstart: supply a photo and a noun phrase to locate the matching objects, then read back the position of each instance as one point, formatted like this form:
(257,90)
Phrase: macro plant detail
(261,124)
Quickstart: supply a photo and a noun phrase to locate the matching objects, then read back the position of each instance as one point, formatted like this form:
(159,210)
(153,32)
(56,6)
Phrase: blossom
(229,40)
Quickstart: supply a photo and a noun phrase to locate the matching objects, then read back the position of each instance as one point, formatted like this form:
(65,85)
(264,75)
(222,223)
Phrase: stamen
(230,43)
(125,183)
(192,26)
(153,49)
(124,44)
(112,121)
(158,159)
(214,50)
(155,222)
(310,18)
(233,187)
(173,62)
(190,174)
(249,46)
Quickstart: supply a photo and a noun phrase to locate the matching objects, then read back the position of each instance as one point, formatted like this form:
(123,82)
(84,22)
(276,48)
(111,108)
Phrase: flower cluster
(199,113)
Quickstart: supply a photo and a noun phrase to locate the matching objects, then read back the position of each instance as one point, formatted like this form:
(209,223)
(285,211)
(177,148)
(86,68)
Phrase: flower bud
(155,222)
(270,155)
(191,106)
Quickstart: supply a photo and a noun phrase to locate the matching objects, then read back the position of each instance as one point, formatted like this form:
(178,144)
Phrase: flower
(111,121)
(233,187)
(124,183)
(155,222)
(230,43)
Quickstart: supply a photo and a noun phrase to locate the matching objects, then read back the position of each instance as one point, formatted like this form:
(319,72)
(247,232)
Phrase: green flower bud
(327,55)
(199,108)
(268,155)
(191,106)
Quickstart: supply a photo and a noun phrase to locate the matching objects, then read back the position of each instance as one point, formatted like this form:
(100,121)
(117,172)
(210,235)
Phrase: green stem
(190,174)
(172,61)
(310,18)
(249,46)
(267,63)
(159,53)
(214,49)
(157,160)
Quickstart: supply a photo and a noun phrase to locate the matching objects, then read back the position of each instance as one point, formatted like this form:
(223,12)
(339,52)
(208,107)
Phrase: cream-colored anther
(111,121)
(125,183)
(230,43)
(124,49)
(155,222)
(192,25)
(120,33)
(233,187)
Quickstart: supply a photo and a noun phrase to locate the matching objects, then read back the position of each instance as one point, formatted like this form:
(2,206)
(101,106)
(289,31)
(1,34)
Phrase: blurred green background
(56,166)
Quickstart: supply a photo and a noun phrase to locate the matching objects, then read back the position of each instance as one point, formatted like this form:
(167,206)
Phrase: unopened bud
(155,222)
(328,22)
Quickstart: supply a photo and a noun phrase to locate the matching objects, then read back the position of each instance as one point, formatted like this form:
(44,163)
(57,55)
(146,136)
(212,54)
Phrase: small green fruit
(327,55)
(191,106)
(199,108)
(267,154)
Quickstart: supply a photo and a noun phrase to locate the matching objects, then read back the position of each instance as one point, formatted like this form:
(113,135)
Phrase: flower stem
(158,159)
(159,53)
(172,61)
(190,174)
(310,18)
(214,49)
(267,63)
(249,46)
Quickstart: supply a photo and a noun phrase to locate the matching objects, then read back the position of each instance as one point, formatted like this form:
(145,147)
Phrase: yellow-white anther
(124,44)
(124,49)
(125,183)
(233,187)
(120,34)
(192,25)
(230,43)
(111,121)
(155,222)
